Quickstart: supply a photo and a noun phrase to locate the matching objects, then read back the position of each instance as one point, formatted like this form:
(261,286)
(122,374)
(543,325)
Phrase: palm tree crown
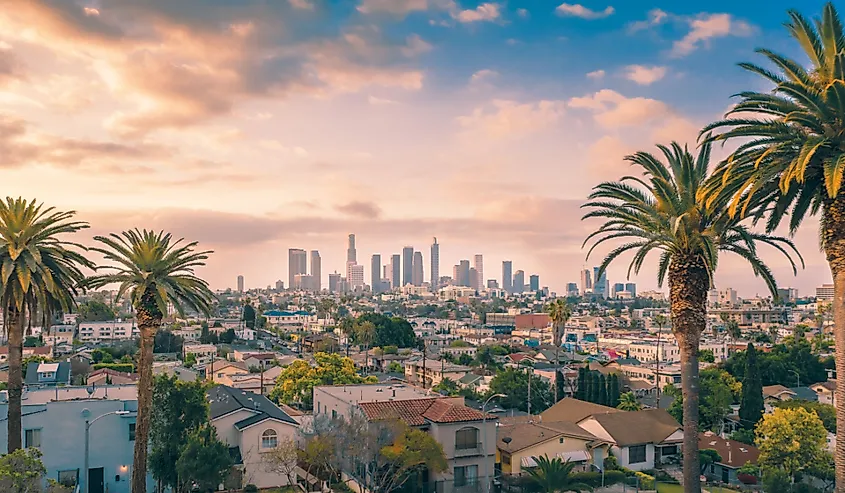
(628,402)
(554,475)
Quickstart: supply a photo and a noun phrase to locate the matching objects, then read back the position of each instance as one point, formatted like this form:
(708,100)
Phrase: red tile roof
(417,412)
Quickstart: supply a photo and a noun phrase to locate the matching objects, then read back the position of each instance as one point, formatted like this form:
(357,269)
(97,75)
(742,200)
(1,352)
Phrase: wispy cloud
(506,118)
(596,74)
(655,17)
(484,12)
(705,27)
(644,75)
(578,10)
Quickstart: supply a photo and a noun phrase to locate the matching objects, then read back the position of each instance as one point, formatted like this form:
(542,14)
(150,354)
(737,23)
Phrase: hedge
(593,479)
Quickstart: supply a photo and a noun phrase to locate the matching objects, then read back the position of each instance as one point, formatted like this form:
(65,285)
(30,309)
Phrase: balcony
(468,450)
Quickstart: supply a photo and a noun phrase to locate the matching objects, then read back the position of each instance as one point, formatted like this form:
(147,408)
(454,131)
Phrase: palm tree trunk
(689,282)
(147,325)
(833,239)
(15,385)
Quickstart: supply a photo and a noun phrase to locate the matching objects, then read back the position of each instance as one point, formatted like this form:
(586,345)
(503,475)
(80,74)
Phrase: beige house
(221,371)
(432,371)
(826,392)
(251,425)
(520,443)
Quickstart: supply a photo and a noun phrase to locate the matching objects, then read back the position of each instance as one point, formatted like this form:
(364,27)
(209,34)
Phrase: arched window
(269,439)
(466,438)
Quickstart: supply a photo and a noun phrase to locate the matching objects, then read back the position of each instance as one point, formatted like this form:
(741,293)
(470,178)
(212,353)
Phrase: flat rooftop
(105,392)
(354,394)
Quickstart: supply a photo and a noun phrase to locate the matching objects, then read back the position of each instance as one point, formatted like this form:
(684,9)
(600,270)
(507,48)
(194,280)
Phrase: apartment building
(431,372)
(203,352)
(114,330)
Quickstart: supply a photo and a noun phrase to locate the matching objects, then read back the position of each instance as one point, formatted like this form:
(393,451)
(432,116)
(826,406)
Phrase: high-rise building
(303,281)
(351,253)
(507,276)
(586,281)
(473,279)
(316,271)
(297,264)
(617,287)
(418,271)
(407,266)
(518,285)
(534,283)
(631,287)
(492,284)
(462,273)
(375,273)
(395,271)
(478,264)
(240,284)
(600,284)
(571,289)
(280,286)
(355,278)
(435,265)
(334,282)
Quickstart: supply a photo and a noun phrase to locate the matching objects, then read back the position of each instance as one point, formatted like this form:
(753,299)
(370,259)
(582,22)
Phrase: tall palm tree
(791,160)
(366,332)
(554,476)
(628,402)
(660,320)
(39,273)
(660,212)
(559,312)
(156,272)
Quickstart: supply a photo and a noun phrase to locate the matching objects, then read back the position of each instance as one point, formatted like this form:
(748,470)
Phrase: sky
(254,126)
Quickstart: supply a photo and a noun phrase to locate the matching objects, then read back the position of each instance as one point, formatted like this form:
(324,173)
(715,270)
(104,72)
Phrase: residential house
(221,371)
(253,382)
(175,368)
(59,334)
(251,425)
(457,351)
(826,392)
(775,393)
(245,334)
(112,330)
(43,351)
(260,360)
(203,352)
(733,456)
(47,374)
(107,376)
(432,371)
(519,443)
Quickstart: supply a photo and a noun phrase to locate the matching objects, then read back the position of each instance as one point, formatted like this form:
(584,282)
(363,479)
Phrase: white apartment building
(113,330)
(204,352)
(60,334)
(189,334)
(354,275)
(824,292)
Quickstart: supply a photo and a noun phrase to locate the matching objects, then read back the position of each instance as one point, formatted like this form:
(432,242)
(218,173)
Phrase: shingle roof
(417,412)
(573,410)
(62,374)
(638,427)
(734,454)
(525,434)
(224,400)
(775,390)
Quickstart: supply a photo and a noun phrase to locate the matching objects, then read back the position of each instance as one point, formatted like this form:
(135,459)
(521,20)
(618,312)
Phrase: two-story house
(251,425)
(520,442)
(47,374)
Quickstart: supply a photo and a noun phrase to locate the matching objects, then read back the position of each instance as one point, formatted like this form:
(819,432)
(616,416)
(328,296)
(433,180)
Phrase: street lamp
(484,442)
(85,414)
(797,378)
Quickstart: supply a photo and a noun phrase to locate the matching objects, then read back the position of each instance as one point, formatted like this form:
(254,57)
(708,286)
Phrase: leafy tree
(486,357)
(595,390)
(22,471)
(581,392)
(447,386)
(282,460)
(389,331)
(707,457)
(33,341)
(228,337)
(395,367)
(602,390)
(157,272)
(181,407)
(554,475)
(465,360)
(778,366)
(95,311)
(167,342)
(249,316)
(613,390)
(790,440)
(628,402)
(706,356)
(459,343)
(825,412)
(190,360)
(40,274)
(791,162)
(295,384)
(716,396)
(205,460)
(666,212)
(744,435)
(514,385)
(121,367)
(751,407)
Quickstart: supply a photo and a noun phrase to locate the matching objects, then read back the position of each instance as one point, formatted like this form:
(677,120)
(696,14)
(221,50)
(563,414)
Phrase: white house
(112,330)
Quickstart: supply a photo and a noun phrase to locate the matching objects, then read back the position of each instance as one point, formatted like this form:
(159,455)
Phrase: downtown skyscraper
(316,271)
(418,270)
(396,271)
(507,276)
(351,253)
(240,284)
(375,273)
(478,265)
(407,265)
(297,265)
(435,265)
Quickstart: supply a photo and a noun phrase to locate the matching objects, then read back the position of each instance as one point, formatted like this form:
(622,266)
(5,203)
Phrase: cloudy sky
(254,126)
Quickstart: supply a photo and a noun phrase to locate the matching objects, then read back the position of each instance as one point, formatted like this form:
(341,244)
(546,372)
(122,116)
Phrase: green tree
(181,407)
(167,342)
(157,272)
(581,392)
(395,367)
(779,366)
(40,274)
(613,390)
(513,383)
(628,402)
(465,360)
(21,471)
(790,440)
(751,407)
(249,316)
(388,331)
(205,460)
(791,162)
(228,336)
(559,313)
(554,475)
(716,394)
(744,435)
(825,412)
(595,390)
(295,384)
(666,212)
(447,387)
(190,360)
(706,356)
(602,390)
(95,311)
(707,457)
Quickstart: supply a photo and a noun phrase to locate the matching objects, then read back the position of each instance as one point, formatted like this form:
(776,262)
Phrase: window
(561,440)
(131,432)
(636,454)
(466,438)
(32,438)
(334,414)
(465,475)
(269,439)
(671,450)
(69,477)
(506,458)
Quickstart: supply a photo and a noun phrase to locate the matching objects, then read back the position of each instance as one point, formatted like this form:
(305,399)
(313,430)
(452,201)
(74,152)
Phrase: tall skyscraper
(375,273)
(316,271)
(586,282)
(351,253)
(571,289)
(462,278)
(534,283)
(395,271)
(518,285)
(492,284)
(419,272)
(600,284)
(507,276)
(631,287)
(617,288)
(240,284)
(478,265)
(473,279)
(435,265)
(334,282)
(297,264)
(280,286)
(356,276)
(407,265)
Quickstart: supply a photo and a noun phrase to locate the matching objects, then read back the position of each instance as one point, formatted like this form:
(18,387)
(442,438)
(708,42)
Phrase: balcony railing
(468,450)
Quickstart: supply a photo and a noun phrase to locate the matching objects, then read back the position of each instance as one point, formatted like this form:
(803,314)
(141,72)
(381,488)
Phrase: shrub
(664,477)
(250,488)
(646,482)
(611,464)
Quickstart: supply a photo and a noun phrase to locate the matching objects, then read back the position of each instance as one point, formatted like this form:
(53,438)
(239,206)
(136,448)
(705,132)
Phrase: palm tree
(660,211)
(628,402)
(660,320)
(366,332)
(792,160)
(559,312)
(554,476)
(40,272)
(156,272)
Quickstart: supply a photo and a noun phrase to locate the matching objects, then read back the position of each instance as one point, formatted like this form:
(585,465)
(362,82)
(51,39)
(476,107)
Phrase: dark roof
(224,400)
(574,410)
(62,374)
(528,434)
(416,412)
(805,393)
(638,427)
(734,454)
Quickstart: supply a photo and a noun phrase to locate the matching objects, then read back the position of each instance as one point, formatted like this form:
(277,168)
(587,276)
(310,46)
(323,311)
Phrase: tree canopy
(295,384)
(791,440)
(778,366)
(389,331)
(95,311)
(513,383)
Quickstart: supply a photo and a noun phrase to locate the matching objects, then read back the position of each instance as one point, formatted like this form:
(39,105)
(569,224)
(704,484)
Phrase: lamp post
(86,413)
(797,378)
(484,442)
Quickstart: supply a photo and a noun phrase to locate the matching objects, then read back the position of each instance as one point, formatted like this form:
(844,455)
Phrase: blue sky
(255,126)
